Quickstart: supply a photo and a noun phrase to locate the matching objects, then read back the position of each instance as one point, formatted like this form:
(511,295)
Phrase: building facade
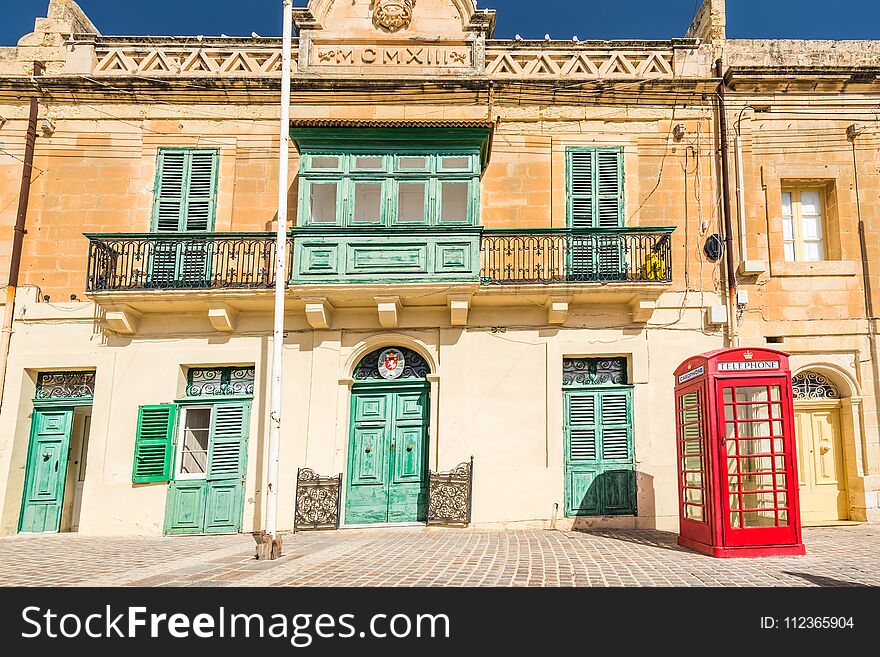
(501,249)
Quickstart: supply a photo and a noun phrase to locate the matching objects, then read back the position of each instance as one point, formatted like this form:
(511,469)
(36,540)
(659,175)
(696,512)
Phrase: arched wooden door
(387,478)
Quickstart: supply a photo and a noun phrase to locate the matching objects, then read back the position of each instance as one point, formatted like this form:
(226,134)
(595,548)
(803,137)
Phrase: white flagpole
(280,281)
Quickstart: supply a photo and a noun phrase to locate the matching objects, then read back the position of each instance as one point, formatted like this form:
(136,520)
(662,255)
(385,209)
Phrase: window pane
(367,203)
(789,252)
(812,228)
(196,433)
(786,204)
(810,203)
(812,251)
(787,229)
(449,163)
(325,162)
(454,201)
(368,162)
(412,163)
(322,202)
(411,202)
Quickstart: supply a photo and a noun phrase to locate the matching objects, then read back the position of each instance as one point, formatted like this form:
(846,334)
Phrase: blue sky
(588,19)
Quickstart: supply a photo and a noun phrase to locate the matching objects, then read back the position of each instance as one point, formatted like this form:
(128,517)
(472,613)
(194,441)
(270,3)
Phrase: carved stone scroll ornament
(393,15)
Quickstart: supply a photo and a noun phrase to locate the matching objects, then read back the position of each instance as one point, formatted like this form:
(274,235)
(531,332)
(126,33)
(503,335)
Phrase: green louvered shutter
(581,188)
(153,441)
(185,200)
(200,190)
(226,467)
(582,493)
(617,463)
(595,188)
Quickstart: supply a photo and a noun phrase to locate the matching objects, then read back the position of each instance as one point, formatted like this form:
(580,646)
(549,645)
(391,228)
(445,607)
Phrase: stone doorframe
(852,438)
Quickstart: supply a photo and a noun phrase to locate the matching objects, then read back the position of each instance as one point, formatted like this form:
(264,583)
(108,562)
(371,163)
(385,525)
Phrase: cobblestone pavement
(836,556)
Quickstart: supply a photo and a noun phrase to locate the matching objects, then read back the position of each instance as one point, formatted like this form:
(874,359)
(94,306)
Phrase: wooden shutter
(200,192)
(168,204)
(595,188)
(152,448)
(581,168)
(582,427)
(616,424)
(228,440)
(186,191)
(609,185)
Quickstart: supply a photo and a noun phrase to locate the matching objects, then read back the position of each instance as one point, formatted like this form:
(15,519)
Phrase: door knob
(824,448)
(409,448)
(368,449)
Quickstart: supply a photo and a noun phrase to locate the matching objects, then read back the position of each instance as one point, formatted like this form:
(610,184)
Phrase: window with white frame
(193,442)
(803,224)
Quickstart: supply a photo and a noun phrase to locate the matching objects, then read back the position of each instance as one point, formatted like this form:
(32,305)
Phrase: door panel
(185,511)
(823,492)
(619,490)
(223,507)
(583,494)
(408,492)
(368,457)
(43,494)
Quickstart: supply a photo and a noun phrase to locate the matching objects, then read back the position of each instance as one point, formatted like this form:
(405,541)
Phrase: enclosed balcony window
(394,189)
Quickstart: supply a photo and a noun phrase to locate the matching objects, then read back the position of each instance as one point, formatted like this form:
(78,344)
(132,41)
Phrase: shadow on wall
(616,494)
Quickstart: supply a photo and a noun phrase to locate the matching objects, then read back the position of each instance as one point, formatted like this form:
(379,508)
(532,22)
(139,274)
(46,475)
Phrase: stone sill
(824,268)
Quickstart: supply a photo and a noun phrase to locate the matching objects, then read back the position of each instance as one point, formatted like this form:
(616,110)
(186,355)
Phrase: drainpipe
(280,291)
(852,133)
(740,190)
(733,341)
(18,233)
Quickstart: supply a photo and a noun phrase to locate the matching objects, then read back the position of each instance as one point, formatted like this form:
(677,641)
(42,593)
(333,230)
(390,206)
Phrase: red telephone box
(737,467)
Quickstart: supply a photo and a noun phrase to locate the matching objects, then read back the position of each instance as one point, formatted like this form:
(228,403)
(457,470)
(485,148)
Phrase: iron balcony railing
(208,261)
(608,255)
(181,261)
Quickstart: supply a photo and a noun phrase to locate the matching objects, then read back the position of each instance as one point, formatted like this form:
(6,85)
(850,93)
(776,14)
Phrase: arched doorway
(821,468)
(387,479)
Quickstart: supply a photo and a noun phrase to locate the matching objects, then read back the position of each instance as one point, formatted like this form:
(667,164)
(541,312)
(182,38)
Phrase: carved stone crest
(393,15)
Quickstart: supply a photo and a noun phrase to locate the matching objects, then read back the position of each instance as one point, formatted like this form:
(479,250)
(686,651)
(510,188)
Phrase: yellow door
(820,465)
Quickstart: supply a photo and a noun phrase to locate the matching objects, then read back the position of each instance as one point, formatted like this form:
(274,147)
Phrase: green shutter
(152,448)
(582,428)
(228,440)
(186,190)
(595,188)
(616,426)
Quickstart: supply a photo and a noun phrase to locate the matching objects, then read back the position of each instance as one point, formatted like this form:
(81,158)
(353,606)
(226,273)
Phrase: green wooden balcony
(385,255)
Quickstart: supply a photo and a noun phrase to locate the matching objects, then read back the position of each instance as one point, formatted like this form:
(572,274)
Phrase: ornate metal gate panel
(317,501)
(450,495)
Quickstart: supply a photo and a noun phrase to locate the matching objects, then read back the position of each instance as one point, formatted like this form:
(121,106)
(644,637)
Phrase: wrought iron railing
(450,495)
(576,256)
(181,261)
(317,501)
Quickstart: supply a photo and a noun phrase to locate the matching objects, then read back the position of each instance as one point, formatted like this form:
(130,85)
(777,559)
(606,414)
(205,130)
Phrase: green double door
(388,454)
(46,471)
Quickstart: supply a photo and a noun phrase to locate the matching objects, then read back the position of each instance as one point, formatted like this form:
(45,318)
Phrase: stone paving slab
(836,556)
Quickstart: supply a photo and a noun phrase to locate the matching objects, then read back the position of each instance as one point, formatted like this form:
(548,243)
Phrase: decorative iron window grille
(812,385)
(450,495)
(65,385)
(220,381)
(594,371)
(317,501)
(414,366)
